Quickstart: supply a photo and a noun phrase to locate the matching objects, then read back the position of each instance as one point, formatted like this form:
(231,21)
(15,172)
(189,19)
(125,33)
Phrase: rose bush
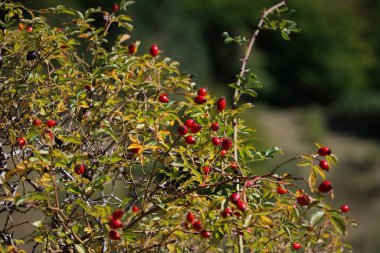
(116,150)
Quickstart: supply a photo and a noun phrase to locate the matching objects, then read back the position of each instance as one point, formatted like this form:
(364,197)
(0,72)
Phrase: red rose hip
(197,225)
(132,49)
(200,100)
(115,7)
(36,122)
(114,235)
(189,122)
(241,205)
(227,212)
(235,197)
(221,104)
(79,169)
(324,165)
(21,141)
(296,246)
(226,143)
(115,224)
(303,200)
(205,234)
(202,92)
(206,170)
(215,127)
(51,123)
(324,151)
(195,128)
(345,208)
(190,217)
(135,209)
(281,190)
(117,214)
(153,50)
(163,98)
(182,130)
(190,140)
(325,186)
(215,141)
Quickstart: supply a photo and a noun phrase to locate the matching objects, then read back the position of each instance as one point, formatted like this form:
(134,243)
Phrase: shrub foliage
(114,150)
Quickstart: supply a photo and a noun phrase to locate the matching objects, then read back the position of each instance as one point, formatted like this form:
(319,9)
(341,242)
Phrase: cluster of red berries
(21,27)
(235,198)
(197,225)
(201,96)
(323,164)
(115,223)
(21,141)
(153,50)
(325,186)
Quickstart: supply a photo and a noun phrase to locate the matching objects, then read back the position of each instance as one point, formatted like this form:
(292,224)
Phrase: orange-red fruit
(223,152)
(324,151)
(345,208)
(205,234)
(215,127)
(241,205)
(114,235)
(21,141)
(197,225)
(195,128)
(202,92)
(79,169)
(153,50)
(206,170)
(325,186)
(226,212)
(115,7)
(163,98)
(50,123)
(221,104)
(324,165)
(115,224)
(281,190)
(132,48)
(226,143)
(235,197)
(135,209)
(190,140)
(117,214)
(189,122)
(182,130)
(36,122)
(303,200)
(190,217)
(296,246)
(215,141)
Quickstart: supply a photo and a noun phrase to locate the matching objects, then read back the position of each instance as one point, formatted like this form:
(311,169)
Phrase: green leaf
(316,217)
(250,92)
(339,224)
(80,248)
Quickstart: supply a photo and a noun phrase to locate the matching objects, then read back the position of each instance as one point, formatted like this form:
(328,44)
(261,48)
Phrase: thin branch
(242,71)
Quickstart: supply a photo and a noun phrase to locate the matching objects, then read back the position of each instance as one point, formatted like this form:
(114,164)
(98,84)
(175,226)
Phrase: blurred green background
(321,86)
